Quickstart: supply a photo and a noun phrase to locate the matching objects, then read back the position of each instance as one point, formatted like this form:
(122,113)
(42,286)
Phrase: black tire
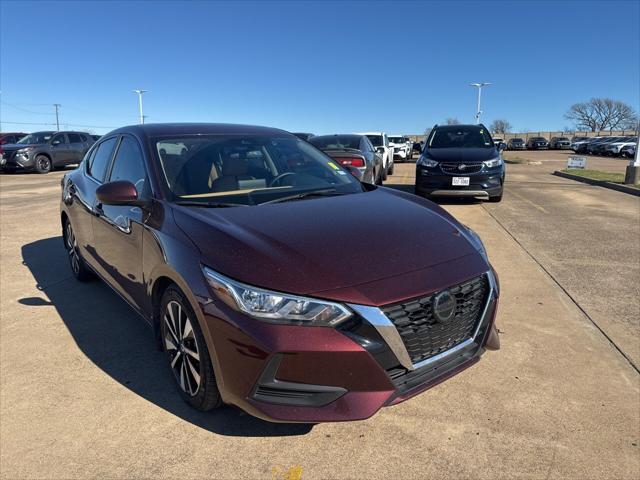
(496,198)
(384,172)
(202,395)
(390,172)
(78,266)
(42,164)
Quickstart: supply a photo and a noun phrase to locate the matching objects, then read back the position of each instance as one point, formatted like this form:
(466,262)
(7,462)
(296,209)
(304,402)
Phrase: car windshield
(248,170)
(396,139)
(34,138)
(376,140)
(562,139)
(516,140)
(460,137)
(539,139)
(336,142)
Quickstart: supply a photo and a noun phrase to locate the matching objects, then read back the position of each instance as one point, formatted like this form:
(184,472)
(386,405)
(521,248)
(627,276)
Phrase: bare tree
(602,114)
(500,126)
(453,121)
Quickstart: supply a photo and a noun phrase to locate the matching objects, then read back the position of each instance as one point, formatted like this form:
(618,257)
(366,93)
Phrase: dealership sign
(577,162)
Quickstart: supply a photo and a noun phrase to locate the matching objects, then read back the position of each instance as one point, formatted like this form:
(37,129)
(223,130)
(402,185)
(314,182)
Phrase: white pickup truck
(380,142)
(402,147)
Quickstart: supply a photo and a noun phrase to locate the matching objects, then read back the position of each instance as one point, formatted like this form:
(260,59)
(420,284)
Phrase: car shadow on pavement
(409,188)
(120,343)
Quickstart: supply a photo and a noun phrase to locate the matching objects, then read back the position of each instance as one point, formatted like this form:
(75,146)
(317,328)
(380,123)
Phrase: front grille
(423,335)
(456,168)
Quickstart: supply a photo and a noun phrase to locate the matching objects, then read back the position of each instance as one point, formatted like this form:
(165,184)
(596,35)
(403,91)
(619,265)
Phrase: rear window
(376,140)
(460,137)
(336,142)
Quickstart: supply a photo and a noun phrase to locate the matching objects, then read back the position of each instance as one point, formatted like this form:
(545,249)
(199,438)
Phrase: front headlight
(494,162)
(426,162)
(275,307)
(23,152)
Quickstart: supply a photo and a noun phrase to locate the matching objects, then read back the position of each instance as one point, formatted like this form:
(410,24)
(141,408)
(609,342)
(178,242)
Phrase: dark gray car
(43,151)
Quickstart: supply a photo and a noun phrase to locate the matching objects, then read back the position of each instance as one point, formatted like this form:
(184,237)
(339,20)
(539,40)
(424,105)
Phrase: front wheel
(187,352)
(43,164)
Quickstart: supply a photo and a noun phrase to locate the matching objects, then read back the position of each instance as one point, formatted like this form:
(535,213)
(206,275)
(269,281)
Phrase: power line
(53,124)
(24,109)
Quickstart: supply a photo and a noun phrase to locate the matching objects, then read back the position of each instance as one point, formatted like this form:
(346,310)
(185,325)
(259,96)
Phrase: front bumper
(400,153)
(286,373)
(431,181)
(11,161)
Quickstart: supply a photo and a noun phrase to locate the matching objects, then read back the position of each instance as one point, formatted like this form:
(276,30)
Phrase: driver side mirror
(502,146)
(120,192)
(56,142)
(354,171)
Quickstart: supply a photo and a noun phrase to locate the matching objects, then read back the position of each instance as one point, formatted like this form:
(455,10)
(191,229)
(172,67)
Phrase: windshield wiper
(190,203)
(327,192)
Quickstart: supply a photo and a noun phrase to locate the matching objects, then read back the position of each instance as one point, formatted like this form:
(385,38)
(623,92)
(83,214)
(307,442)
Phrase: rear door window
(74,138)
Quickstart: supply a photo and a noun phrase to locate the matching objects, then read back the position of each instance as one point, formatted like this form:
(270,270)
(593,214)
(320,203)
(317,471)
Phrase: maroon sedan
(271,277)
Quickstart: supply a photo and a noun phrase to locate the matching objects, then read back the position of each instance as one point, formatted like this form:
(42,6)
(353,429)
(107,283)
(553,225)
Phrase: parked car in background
(9,138)
(597,147)
(559,143)
(581,146)
(381,143)
(629,151)
(460,161)
(614,148)
(401,148)
(304,136)
(516,144)
(497,141)
(578,139)
(351,150)
(537,143)
(43,151)
(267,279)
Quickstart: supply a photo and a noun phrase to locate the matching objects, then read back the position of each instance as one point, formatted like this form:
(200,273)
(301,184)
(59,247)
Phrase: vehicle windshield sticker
(342,173)
(334,166)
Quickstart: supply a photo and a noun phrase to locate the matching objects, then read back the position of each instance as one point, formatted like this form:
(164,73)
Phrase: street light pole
(632,174)
(57,107)
(479,85)
(140,92)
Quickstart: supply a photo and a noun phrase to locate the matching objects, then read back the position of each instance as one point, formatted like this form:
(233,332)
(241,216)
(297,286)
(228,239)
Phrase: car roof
(165,129)
(371,133)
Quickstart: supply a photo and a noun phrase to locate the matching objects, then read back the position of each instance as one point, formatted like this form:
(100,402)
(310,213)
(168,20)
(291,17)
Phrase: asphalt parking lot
(84,393)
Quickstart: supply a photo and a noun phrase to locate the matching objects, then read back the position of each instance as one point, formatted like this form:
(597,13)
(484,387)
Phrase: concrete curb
(600,183)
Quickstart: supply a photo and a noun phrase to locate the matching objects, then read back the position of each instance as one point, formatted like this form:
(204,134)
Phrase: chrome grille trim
(388,331)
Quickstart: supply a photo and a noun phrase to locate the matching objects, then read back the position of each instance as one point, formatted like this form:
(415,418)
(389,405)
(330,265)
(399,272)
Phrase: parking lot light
(479,85)
(632,175)
(140,92)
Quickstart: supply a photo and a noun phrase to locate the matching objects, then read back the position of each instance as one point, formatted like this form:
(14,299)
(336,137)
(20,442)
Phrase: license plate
(460,181)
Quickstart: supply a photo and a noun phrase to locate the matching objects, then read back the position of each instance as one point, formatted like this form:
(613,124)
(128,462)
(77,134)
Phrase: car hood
(10,147)
(462,154)
(329,243)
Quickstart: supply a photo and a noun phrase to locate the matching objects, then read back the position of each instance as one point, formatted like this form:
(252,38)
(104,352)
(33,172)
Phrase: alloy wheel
(72,250)
(44,164)
(182,347)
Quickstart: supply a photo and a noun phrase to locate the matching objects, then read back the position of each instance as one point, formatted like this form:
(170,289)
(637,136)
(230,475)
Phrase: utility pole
(140,92)
(57,107)
(479,85)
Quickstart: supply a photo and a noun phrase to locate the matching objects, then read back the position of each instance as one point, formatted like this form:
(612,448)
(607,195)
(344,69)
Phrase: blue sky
(321,67)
